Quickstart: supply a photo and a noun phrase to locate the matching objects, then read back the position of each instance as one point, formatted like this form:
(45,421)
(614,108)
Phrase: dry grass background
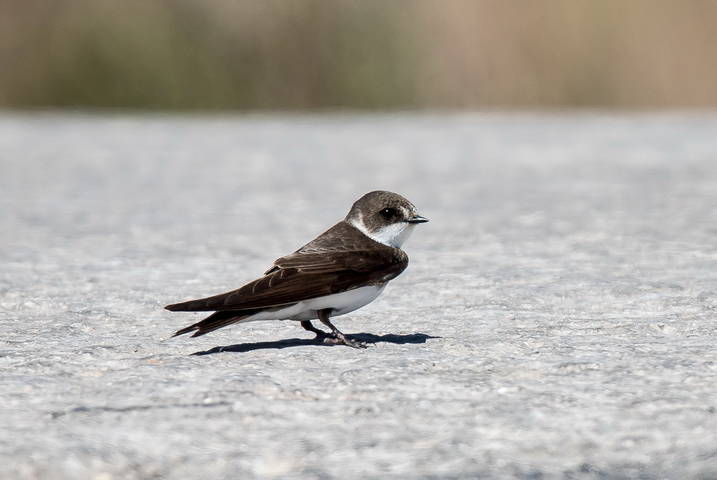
(312,54)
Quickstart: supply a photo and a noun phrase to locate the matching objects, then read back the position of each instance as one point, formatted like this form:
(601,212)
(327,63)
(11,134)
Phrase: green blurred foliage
(312,54)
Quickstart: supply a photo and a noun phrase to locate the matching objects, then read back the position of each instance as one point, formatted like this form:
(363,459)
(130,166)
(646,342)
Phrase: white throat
(392,235)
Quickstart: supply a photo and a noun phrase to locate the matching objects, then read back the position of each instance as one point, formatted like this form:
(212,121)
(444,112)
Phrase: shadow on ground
(301,342)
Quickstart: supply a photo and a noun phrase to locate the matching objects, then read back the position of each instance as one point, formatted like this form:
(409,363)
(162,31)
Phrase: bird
(341,270)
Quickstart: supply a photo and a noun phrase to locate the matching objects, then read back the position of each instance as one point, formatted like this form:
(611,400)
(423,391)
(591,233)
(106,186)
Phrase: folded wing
(304,275)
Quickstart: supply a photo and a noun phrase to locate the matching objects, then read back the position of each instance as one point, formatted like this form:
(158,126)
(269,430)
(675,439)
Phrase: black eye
(388,213)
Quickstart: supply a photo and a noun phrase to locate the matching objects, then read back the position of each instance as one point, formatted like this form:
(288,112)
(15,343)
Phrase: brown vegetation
(309,54)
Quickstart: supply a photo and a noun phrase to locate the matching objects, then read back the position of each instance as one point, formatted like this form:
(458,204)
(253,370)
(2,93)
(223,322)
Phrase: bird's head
(385,217)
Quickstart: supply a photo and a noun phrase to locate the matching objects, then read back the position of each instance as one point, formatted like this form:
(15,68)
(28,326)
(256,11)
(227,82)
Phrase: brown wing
(342,237)
(301,276)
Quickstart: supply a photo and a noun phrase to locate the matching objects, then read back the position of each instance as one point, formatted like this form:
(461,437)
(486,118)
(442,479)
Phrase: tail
(191,306)
(215,321)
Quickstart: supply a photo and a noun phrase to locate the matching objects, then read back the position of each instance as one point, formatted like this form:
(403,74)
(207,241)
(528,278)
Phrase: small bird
(341,270)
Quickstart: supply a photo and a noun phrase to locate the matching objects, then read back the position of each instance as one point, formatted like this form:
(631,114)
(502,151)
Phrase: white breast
(346,302)
(340,303)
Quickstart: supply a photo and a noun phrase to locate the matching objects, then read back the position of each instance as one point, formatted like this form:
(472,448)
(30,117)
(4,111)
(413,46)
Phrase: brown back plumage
(310,272)
(340,259)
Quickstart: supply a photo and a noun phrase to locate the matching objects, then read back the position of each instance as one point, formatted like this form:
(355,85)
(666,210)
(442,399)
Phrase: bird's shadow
(369,338)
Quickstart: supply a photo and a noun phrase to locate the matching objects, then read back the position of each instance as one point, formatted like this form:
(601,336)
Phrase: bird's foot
(338,338)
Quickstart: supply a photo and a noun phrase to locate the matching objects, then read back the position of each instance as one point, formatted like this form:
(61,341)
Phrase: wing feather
(301,276)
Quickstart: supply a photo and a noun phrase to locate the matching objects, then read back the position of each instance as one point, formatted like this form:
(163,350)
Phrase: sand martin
(341,270)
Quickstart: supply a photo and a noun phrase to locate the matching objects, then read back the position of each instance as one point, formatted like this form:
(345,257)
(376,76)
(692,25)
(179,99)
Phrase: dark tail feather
(215,321)
(190,306)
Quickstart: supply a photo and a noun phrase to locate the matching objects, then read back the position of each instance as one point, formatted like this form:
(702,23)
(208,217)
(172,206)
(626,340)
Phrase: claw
(342,340)
(336,337)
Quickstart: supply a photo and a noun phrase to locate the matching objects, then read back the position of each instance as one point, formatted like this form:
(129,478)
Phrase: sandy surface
(557,320)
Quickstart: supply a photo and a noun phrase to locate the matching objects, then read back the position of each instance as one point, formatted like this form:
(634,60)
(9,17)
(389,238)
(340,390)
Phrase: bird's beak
(417,219)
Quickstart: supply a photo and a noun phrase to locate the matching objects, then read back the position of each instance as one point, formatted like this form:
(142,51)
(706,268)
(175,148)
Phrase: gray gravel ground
(557,319)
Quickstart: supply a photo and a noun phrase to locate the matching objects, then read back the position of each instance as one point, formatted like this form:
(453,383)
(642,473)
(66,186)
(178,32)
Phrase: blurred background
(318,54)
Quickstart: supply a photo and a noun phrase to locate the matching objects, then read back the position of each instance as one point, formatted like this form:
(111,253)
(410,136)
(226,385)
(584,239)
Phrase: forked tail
(215,321)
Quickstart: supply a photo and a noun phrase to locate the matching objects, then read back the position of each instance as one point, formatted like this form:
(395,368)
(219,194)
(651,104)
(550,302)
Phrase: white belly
(340,303)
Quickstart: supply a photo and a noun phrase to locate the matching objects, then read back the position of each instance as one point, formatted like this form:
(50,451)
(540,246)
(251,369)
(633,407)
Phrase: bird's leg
(320,334)
(338,337)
